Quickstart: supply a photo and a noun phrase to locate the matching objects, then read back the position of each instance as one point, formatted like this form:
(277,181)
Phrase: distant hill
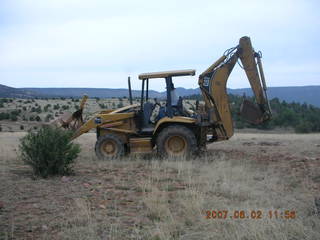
(91,92)
(10,92)
(301,94)
(104,92)
(308,94)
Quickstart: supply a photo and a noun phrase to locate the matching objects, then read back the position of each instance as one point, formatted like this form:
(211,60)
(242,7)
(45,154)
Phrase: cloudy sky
(98,43)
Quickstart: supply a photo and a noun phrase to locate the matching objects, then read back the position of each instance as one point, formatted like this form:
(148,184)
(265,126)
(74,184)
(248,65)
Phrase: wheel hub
(176,145)
(109,148)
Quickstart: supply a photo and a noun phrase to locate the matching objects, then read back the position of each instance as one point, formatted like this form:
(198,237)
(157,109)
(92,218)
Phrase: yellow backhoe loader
(175,132)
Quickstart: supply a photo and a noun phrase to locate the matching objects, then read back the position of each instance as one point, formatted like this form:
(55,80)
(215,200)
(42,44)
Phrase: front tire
(109,147)
(176,141)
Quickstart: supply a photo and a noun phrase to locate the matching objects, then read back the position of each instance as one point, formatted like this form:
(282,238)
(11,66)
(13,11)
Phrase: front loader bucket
(250,112)
(71,121)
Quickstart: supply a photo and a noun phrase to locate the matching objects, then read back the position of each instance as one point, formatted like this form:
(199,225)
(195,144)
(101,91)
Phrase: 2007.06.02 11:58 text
(249,214)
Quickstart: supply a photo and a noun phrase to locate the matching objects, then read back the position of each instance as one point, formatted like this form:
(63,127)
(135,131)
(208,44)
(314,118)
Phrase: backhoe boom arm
(213,82)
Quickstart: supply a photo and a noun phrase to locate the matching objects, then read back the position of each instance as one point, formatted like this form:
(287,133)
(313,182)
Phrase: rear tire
(176,141)
(109,147)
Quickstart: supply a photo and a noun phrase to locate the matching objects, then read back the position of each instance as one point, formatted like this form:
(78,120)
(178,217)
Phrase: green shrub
(303,127)
(48,117)
(65,107)
(239,125)
(46,107)
(4,116)
(49,151)
(16,112)
(38,109)
(13,117)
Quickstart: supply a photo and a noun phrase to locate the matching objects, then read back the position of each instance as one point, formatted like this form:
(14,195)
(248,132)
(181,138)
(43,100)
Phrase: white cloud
(81,42)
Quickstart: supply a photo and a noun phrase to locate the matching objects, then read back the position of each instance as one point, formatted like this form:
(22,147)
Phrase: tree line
(303,118)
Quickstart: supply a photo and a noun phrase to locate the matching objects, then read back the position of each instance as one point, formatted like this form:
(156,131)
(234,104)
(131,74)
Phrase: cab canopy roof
(176,73)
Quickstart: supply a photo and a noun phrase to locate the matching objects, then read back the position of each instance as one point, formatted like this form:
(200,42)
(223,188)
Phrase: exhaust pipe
(130,91)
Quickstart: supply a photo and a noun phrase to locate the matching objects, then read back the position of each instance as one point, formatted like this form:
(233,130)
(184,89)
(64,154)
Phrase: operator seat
(147,127)
(180,104)
(147,111)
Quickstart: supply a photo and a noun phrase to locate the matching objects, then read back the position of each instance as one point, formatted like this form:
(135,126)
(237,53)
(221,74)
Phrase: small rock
(65,179)
(102,206)
(258,178)
(86,184)
(1,205)
(248,143)
(269,143)
(44,227)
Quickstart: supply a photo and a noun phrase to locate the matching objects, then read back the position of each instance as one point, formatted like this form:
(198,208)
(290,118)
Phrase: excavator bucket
(71,121)
(250,112)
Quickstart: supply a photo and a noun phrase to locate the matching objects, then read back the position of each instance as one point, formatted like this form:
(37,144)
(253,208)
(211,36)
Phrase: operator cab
(173,104)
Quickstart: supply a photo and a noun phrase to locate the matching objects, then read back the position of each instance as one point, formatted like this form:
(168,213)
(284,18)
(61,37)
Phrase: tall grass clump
(49,151)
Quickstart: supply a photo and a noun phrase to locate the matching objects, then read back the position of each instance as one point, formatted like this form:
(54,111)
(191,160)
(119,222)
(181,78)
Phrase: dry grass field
(141,197)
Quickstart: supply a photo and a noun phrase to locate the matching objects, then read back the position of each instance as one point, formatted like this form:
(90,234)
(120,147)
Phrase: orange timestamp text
(250,214)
